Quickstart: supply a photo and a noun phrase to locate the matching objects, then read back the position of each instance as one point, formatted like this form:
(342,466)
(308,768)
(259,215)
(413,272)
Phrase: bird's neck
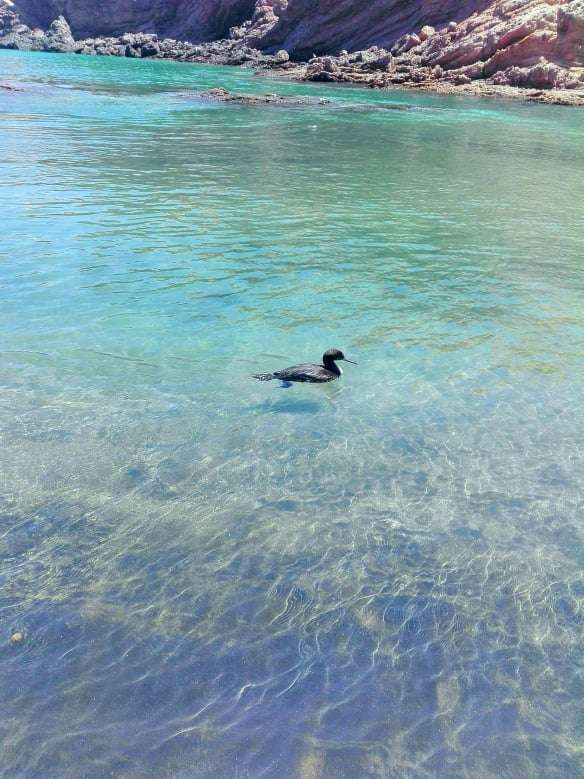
(331,366)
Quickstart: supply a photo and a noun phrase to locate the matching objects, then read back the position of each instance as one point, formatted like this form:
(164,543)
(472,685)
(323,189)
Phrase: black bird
(310,372)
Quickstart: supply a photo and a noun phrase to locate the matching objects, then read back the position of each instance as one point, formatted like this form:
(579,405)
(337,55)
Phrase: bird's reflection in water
(292,403)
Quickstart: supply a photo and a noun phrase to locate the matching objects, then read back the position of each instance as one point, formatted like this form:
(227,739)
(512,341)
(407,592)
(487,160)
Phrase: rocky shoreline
(58,38)
(518,48)
(495,53)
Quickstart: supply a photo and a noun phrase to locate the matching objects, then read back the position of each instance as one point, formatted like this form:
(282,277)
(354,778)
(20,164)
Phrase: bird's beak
(351,361)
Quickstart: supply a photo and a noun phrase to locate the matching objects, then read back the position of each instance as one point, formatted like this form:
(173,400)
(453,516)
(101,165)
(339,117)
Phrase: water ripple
(208,576)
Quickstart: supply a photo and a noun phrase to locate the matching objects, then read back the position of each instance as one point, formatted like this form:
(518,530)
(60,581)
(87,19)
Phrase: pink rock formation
(518,38)
(525,43)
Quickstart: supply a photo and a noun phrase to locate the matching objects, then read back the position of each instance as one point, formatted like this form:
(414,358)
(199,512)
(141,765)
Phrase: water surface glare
(216,577)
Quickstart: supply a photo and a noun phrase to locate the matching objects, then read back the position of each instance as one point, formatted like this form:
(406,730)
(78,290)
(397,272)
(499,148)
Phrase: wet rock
(223,95)
(150,49)
(323,75)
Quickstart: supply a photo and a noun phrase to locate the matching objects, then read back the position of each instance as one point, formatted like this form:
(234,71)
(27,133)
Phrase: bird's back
(307,372)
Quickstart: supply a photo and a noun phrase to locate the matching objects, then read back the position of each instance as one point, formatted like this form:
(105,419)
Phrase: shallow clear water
(217,577)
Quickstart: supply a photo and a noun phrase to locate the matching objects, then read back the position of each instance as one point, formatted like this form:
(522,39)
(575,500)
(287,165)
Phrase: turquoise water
(217,577)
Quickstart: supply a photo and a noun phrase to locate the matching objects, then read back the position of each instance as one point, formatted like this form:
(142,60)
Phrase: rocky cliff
(521,43)
(303,27)
(195,20)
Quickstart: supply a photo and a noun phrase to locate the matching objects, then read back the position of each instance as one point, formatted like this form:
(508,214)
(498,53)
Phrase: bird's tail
(264,376)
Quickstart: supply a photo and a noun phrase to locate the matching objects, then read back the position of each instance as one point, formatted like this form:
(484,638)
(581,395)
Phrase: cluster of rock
(145,45)
(14,35)
(234,50)
(521,43)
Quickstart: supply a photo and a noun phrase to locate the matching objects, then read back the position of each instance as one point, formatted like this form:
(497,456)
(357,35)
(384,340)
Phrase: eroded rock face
(531,42)
(302,27)
(305,27)
(195,20)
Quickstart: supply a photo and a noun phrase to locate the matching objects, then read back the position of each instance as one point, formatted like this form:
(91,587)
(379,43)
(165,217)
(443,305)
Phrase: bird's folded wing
(304,372)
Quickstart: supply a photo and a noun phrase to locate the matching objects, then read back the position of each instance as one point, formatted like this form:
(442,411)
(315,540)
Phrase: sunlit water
(217,577)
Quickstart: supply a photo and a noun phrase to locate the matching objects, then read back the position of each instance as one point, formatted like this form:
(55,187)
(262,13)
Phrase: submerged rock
(219,94)
(271,99)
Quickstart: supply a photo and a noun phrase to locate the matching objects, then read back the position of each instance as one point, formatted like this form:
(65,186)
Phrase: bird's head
(332,355)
